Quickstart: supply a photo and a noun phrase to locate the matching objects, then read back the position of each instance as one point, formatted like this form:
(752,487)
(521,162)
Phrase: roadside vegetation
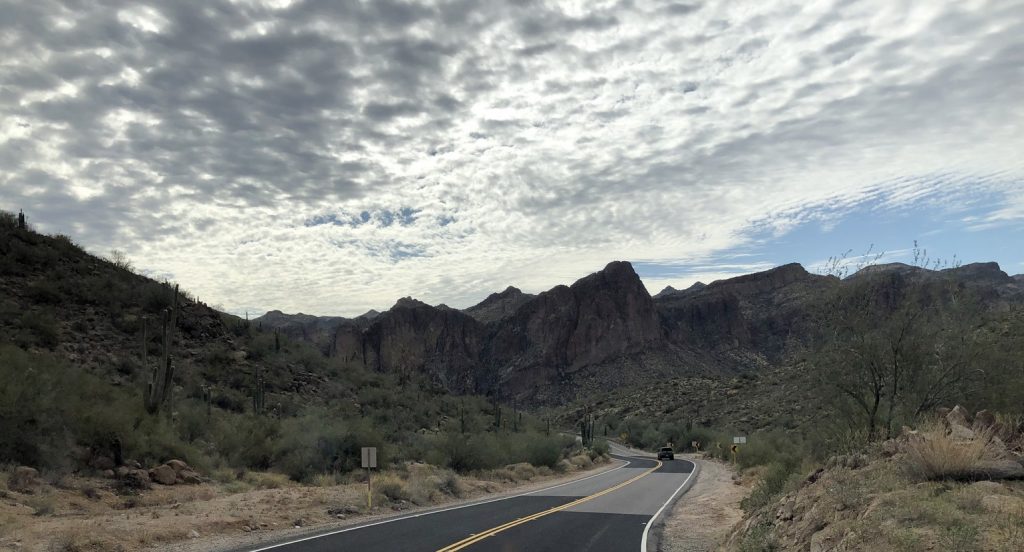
(72,384)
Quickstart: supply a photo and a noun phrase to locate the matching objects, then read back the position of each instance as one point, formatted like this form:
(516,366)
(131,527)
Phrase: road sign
(695,445)
(369,457)
(739,440)
(369,461)
(735,449)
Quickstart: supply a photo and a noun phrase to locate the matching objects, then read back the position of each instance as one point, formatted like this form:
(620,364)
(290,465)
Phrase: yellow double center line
(491,532)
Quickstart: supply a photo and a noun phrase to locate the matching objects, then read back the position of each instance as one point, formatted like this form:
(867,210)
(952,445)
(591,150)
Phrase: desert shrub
(391,486)
(766,448)
(156,297)
(424,489)
(266,480)
(43,327)
(45,292)
(937,456)
(42,504)
(8,221)
(541,450)
(959,537)
(771,485)
(451,485)
(30,420)
(245,440)
(759,538)
(522,471)
(581,461)
(600,448)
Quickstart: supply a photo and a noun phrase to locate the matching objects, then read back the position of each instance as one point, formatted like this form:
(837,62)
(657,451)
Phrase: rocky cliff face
(605,330)
(318,330)
(751,317)
(415,337)
(499,306)
(603,316)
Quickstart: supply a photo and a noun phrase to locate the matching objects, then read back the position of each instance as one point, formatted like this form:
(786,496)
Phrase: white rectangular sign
(739,440)
(369,457)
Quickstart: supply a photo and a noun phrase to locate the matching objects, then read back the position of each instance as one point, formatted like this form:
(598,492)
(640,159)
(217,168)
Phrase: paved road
(611,511)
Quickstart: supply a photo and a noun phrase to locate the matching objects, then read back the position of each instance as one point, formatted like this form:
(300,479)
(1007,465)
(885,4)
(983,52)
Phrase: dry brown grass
(937,456)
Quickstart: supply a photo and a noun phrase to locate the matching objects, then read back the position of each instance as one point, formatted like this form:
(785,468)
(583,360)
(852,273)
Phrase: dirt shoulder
(74,513)
(703,518)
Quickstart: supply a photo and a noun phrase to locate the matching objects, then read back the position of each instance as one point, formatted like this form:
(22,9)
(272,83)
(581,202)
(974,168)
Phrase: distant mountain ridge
(605,330)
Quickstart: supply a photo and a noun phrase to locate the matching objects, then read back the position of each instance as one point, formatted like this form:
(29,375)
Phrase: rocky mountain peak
(369,315)
(409,303)
(498,306)
(980,272)
(667,290)
(766,281)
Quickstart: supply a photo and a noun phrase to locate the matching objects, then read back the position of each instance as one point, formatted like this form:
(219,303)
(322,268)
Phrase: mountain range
(605,331)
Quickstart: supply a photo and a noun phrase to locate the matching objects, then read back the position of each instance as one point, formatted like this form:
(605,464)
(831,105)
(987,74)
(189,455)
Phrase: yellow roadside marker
(473,539)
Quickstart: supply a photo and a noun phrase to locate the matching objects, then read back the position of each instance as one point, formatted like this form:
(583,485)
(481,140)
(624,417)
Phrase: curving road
(610,511)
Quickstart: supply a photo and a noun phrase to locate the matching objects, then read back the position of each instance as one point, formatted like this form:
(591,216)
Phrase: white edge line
(411,516)
(647,528)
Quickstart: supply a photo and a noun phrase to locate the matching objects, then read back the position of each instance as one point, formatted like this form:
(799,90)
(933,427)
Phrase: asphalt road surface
(610,511)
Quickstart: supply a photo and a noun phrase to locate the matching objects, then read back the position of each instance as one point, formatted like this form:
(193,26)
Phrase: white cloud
(534,144)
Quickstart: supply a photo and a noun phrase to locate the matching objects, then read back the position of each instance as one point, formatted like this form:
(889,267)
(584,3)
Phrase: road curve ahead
(610,511)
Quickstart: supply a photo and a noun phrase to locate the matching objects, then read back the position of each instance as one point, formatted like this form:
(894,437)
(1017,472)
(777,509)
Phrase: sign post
(736,442)
(695,445)
(369,462)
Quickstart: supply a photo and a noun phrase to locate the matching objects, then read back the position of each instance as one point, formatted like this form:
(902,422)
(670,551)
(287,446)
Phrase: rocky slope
(954,486)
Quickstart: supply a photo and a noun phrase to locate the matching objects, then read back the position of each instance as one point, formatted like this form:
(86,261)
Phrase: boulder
(984,420)
(178,465)
(958,416)
(190,477)
(136,478)
(164,475)
(24,480)
(102,463)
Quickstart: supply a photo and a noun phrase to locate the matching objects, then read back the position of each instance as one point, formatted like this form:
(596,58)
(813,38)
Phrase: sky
(332,156)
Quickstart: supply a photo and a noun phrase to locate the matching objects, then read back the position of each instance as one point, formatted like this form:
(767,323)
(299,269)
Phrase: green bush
(541,450)
(43,328)
(770,486)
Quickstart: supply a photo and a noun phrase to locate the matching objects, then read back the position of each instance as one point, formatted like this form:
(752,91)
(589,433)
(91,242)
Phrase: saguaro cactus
(21,219)
(259,400)
(208,399)
(587,428)
(497,410)
(161,380)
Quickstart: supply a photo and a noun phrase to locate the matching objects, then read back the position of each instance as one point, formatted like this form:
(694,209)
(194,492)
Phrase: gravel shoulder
(704,517)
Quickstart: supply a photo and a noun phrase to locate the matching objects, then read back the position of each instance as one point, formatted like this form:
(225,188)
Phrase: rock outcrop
(598,318)
(498,306)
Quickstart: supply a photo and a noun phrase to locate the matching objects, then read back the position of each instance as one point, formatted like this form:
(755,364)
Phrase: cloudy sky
(331,156)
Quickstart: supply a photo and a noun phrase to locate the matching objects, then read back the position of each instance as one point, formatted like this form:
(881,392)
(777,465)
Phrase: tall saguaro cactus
(587,428)
(259,400)
(161,380)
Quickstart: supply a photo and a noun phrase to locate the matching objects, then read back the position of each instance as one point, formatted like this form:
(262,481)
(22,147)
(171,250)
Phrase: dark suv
(666,454)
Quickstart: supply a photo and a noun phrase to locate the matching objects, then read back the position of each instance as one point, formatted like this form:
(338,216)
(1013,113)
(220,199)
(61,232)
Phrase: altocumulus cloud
(330,156)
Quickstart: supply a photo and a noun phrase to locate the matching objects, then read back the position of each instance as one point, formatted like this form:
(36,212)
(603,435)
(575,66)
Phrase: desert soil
(702,518)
